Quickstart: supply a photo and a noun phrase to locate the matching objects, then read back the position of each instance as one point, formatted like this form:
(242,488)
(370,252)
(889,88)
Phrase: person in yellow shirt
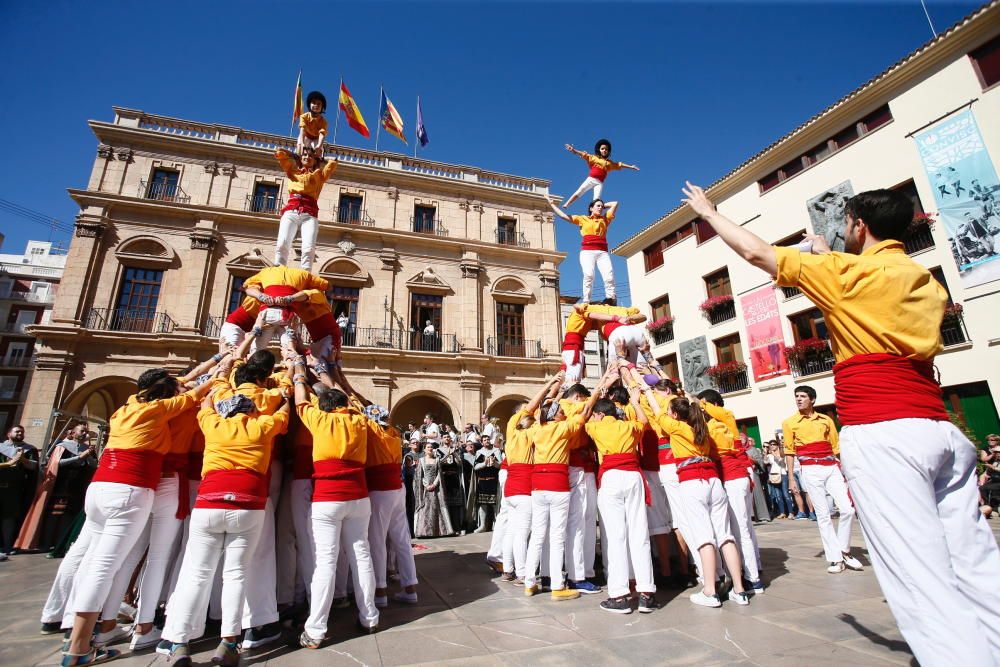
(811,437)
(306,175)
(883,312)
(581,525)
(594,249)
(313,126)
(600,164)
(619,326)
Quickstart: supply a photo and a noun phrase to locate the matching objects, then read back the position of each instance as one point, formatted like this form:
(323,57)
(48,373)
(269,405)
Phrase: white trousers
(818,481)
(740,496)
(175,569)
(214,533)
(658,512)
(305,545)
(335,524)
(285,547)
(55,604)
(672,487)
(500,523)
(632,337)
(549,515)
(589,183)
(914,484)
(290,225)
(707,513)
(388,531)
(622,502)
(600,260)
(575,372)
(230,334)
(261,604)
(515,547)
(581,526)
(116,516)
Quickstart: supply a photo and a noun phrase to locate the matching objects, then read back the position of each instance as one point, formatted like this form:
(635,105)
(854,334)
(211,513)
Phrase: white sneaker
(836,568)
(853,563)
(381,601)
(703,600)
(739,598)
(403,596)
(119,632)
(148,640)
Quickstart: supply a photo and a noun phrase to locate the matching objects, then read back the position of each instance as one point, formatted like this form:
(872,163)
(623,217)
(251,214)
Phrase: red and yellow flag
(297,105)
(352,112)
(390,118)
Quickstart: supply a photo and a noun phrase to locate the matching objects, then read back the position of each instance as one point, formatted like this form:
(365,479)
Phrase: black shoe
(647,603)
(545,584)
(51,628)
(617,605)
(261,635)
(365,631)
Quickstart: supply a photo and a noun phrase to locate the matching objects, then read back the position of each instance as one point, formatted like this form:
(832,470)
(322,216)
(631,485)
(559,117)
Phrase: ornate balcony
(953,330)
(737,381)
(918,239)
(264,203)
(790,292)
(427,226)
(212,326)
(721,312)
(132,320)
(509,237)
(810,361)
(514,347)
(393,339)
(161,191)
(663,334)
(349,216)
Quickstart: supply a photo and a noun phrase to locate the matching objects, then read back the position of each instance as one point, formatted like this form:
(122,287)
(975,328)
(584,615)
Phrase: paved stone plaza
(467,617)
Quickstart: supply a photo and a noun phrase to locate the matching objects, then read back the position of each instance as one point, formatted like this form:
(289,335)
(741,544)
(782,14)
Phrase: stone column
(196,278)
(83,267)
(471,332)
(549,334)
(471,403)
(49,381)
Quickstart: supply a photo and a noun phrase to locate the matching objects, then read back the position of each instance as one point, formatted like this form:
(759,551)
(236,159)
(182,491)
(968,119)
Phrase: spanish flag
(352,112)
(390,118)
(297,105)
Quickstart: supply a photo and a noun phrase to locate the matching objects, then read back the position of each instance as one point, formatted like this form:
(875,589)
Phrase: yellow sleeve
(610,216)
(280,422)
(788,434)
(308,414)
(588,158)
(613,166)
(324,125)
(575,219)
(820,277)
(304,119)
(317,283)
(178,404)
(287,163)
(667,423)
(328,169)
(254,281)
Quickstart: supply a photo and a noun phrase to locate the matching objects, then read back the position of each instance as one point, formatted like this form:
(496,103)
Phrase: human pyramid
(193,469)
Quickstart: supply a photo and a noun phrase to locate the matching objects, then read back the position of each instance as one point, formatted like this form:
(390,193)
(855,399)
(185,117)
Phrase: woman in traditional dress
(431,516)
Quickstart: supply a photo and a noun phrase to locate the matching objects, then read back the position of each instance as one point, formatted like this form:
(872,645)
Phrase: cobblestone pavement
(468,617)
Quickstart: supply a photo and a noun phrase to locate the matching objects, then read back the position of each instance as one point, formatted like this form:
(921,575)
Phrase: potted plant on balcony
(727,371)
(715,304)
(952,314)
(920,222)
(806,349)
(665,323)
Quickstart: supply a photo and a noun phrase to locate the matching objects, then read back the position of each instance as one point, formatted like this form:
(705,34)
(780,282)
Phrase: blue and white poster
(967,193)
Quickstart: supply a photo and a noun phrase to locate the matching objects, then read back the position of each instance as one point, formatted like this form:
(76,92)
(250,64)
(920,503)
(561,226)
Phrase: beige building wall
(205,232)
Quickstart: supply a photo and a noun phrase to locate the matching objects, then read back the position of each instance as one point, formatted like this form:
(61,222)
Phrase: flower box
(726,370)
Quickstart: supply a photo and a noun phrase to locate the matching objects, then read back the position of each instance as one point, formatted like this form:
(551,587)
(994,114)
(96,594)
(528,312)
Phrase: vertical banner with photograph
(767,342)
(967,194)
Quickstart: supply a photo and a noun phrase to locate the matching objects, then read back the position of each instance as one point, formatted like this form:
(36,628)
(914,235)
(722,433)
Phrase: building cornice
(958,40)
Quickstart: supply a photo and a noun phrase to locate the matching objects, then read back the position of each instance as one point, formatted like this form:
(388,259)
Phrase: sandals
(305,641)
(96,656)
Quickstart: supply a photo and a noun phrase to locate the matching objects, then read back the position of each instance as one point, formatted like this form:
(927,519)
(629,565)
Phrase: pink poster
(767,343)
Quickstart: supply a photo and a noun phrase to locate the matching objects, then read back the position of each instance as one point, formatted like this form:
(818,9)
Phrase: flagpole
(298,83)
(336,121)
(416,139)
(378,128)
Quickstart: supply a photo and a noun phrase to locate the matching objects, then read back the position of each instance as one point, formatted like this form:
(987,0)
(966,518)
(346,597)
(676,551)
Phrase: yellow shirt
(184,431)
(241,442)
(267,401)
(722,438)
(602,163)
(312,308)
(682,438)
(313,124)
(145,426)
(880,301)
(615,436)
(385,445)
(517,447)
(617,311)
(340,434)
(553,440)
(593,225)
(305,182)
(801,430)
(648,409)
(297,279)
(724,415)
(577,323)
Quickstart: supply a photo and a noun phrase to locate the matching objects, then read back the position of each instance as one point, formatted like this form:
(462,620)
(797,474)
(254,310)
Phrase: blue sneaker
(801,515)
(812,516)
(584,587)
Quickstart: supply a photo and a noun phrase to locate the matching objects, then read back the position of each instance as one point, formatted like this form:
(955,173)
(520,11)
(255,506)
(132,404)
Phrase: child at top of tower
(313,127)
(601,164)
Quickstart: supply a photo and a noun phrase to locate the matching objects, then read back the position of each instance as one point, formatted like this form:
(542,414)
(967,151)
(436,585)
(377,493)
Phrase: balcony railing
(393,339)
(264,203)
(514,347)
(212,327)
(812,363)
(918,240)
(734,382)
(509,237)
(32,297)
(349,216)
(722,313)
(663,335)
(13,268)
(425,226)
(790,292)
(132,320)
(161,191)
(16,328)
(16,362)
(953,330)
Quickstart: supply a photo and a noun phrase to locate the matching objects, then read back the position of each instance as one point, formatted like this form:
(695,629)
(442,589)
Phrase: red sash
(177,464)
(665,452)
(649,453)
(278,291)
(518,480)
(302,462)
(384,477)
(550,477)
(575,342)
(503,464)
(700,470)
(915,393)
(734,466)
(301,203)
(594,242)
(339,480)
(323,326)
(241,318)
(232,490)
(135,467)
(598,172)
(608,328)
(816,454)
(627,462)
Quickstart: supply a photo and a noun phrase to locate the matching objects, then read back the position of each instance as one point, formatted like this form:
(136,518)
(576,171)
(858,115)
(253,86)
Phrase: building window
(8,387)
(791,240)
(235,292)
(265,198)
(678,236)
(809,324)
(669,364)
(909,189)
(137,300)
(703,230)
(425,308)
(349,208)
(986,62)
(163,185)
(510,329)
(728,349)
(344,301)
(423,218)
(717,284)
(653,256)
(507,231)
(876,119)
(660,308)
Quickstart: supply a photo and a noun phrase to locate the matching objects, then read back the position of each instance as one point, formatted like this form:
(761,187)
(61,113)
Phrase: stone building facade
(176,214)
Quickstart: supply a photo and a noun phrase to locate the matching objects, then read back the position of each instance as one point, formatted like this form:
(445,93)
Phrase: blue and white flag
(421,130)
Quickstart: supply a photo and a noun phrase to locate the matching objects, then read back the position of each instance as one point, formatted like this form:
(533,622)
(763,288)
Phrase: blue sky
(684,90)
